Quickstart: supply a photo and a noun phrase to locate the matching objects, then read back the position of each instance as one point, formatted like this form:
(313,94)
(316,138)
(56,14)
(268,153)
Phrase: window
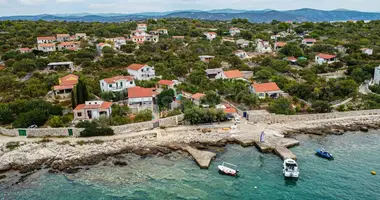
(121,84)
(110,85)
(79,114)
(131,82)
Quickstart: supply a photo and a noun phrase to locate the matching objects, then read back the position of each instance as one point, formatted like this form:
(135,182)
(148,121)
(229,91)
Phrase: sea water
(176,176)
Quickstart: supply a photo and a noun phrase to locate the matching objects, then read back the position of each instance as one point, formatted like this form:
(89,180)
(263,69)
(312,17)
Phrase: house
(46,47)
(162,31)
(264,90)
(61,66)
(206,58)
(275,37)
(211,73)
(341,49)
(79,36)
(46,40)
(117,83)
(234,31)
(241,54)
(143,33)
(292,60)
(241,43)
(279,45)
(92,110)
(178,37)
(117,41)
(152,38)
(309,41)
(138,39)
(142,27)
(141,71)
(322,58)
(231,74)
(68,45)
(100,46)
(154,32)
(263,46)
(66,85)
(376,77)
(63,37)
(25,50)
(167,84)
(196,98)
(367,51)
(140,99)
(210,35)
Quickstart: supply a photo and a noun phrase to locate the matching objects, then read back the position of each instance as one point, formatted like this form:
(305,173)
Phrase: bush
(321,107)
(143,116)
(196,115)
(93,129)
(56,122)
(281,106)
(27,119)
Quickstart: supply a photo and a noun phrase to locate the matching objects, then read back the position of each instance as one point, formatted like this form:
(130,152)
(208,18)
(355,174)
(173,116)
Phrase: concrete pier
(284,153)
(203,158)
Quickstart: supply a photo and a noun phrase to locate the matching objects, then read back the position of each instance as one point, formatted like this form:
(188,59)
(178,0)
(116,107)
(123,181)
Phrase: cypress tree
(82,92)
(73,102)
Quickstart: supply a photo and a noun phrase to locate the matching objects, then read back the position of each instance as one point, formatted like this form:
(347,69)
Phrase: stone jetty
(203,158)
(284,153)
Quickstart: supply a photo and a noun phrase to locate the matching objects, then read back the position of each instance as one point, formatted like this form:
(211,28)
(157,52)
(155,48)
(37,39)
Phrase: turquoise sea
(176,176)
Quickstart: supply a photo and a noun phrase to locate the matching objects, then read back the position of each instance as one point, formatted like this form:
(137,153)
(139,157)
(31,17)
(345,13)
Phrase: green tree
(6,115)
(211,98)
(165,98)
(321,106)
(56,121)
(82,93)
(143,116)
(281,106)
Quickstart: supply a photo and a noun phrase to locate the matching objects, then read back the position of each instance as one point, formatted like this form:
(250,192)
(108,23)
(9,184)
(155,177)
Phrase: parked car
(237,120)
(33,126)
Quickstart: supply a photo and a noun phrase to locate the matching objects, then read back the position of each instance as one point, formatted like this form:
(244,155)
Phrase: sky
(32,7)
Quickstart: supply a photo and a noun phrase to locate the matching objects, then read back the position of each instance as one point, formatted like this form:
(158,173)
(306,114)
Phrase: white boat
(290,169)
(226,169)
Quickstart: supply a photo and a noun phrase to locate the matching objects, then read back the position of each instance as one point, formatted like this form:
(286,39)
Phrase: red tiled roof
(25,49)
(265,87)
(2,67)
(63,35)
(116,78)
(80,107)
(280,44)
(63,87)
(66,44)
(102,44)
(291,59)
(326,56)
(46,38)
(197,96)
(136,66)
(138,92)
(233,74)
(233,28)
(70,79)
(47,45)
(212,33)
(166,82)
(104,105)
(141,25)
(229,110)
(310,40)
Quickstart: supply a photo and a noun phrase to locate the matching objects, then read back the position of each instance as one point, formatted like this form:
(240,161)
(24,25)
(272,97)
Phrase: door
(70,132)
(245,114)
(21,132)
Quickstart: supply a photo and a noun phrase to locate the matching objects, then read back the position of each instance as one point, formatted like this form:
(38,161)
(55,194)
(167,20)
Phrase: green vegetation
(92,129)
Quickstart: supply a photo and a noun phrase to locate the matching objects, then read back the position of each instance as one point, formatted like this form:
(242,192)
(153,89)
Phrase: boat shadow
(290,182)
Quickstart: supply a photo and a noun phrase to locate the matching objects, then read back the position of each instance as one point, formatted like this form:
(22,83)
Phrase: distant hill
(300,15)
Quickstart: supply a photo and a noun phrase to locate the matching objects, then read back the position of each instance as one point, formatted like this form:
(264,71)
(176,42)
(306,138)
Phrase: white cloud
(32,2)
(69,1)
(102,5)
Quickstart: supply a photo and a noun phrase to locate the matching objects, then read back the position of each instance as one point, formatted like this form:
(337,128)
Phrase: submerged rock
(120,163)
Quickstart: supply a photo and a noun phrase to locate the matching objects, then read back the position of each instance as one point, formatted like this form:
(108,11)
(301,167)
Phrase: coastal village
(163,85)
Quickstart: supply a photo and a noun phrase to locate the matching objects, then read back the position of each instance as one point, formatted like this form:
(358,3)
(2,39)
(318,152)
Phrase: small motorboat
(290,169)
(324,154)
(226,168)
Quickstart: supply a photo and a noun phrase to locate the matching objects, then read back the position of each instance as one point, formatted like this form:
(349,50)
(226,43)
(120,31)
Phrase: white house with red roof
(167,84)
(117,41)
(264,90)
(241,54)
(263,46)
(162,31)
(309,41)
(231,74)
(210,35)
(142,27)
(25,50)
(140,99)
(279,45)
(206,58)
(79,36)
(66,85)
(93,110)
(141,71)
(117,83)
(141,33)
(234,31)
(367,51)
(322,58)
(46,39)
(196,98)
(100,46)
(63,37)
(47,47)
(74,46)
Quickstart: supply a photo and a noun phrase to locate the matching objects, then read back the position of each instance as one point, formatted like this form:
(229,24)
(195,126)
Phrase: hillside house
(142,27)
(210,35)
(66,85)
(68,46)
(92,110)
(138,39)
(196,98)
(46,40)
(140,99)
(241,54)
(275,37)
(142,33)
(367,51)
(292,60)
(234,31)
(25,50)
(279,45)
(117,83)
(63,37)
(206,58)
(231,74)
(241,43)
(79,36)
(117,41)
(309,41)
(152,38)
(167,84)
(263,46)
(322,58)
(264,90)
(162,31)
(212,73)
(61,66)
(141,71)
(46,47)
(100,46)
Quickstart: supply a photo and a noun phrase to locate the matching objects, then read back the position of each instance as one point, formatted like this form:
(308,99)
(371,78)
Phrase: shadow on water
(290,182)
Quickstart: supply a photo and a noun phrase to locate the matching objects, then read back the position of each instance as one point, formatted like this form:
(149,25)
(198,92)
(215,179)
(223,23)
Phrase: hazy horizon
(36,7)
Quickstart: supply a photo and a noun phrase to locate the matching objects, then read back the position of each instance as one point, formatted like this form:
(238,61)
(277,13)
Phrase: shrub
(56,121)
(27,119)
(93,129)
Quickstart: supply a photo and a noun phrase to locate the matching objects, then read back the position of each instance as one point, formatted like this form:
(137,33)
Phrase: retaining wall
(42,132)
(273,118)
(171,121)
(132,127)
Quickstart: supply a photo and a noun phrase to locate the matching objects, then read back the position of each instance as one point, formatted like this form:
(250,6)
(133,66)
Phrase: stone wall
(42,132)
(171,121)
(273,118)
(8,132)
(133,127)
